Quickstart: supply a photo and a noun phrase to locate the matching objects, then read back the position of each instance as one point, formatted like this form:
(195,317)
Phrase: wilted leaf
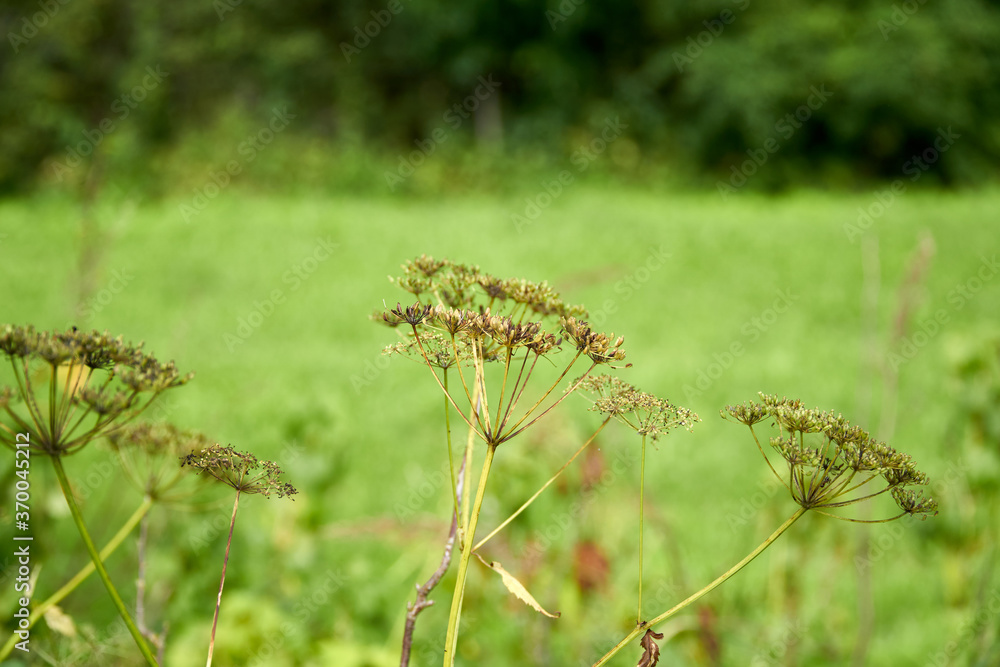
(60,621)
(651,654)
(515,587)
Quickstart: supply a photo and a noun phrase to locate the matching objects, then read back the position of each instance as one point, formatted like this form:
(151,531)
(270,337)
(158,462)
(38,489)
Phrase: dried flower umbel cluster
(74,387)
(243,472)
(492,333)
(465,317)
(646,414)
(832,464)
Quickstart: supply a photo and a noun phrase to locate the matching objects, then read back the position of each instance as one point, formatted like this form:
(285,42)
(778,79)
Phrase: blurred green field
(267,299)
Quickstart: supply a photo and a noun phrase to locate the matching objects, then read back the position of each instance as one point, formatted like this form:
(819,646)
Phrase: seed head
(646,414)
(598,346)
(241,471)
(830,463)
(91,384)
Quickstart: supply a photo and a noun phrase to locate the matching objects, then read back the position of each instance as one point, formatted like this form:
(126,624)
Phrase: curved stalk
(84,572)
(451,638)
(96,559)
(642,627)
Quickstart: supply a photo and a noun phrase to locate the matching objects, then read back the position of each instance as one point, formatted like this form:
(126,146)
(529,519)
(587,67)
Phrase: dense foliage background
(697,84)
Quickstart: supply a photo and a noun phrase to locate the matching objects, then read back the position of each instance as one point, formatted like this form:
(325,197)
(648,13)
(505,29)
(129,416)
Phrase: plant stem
(414,608)
(642,627)
(451,459)
(451,639)
(543,487)
(84,572)
(642,490)
(222,581)
(98,565)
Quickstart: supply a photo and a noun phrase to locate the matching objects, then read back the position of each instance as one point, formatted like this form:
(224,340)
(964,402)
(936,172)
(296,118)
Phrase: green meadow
(268,298)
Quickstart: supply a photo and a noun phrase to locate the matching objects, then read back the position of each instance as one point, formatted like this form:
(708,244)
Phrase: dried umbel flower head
(239,470)
(465,318)
(644,413)
(76,386)
(601,348)
(465,287)
(830,463)
(148,453)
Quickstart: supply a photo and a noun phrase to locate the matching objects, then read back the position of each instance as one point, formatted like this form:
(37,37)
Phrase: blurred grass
(362,437)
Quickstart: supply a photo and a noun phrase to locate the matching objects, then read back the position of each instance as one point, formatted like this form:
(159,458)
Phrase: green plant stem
(98,565)
(451,639)
(451,459)
(543,487)
(84,572)
(642,627)
(642,490)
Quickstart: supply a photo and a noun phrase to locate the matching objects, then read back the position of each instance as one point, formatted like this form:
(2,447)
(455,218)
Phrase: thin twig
(421,602)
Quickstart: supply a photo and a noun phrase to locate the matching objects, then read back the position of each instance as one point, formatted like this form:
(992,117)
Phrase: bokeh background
(813,187)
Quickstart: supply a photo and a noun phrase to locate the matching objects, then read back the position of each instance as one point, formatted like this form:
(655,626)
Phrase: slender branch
(421,602)
(222,581)
(518,388)
(642,627)
(551,407)
(543,487)
(438,380)
(451,459)
(80,576)
(96,559)
(546,394)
